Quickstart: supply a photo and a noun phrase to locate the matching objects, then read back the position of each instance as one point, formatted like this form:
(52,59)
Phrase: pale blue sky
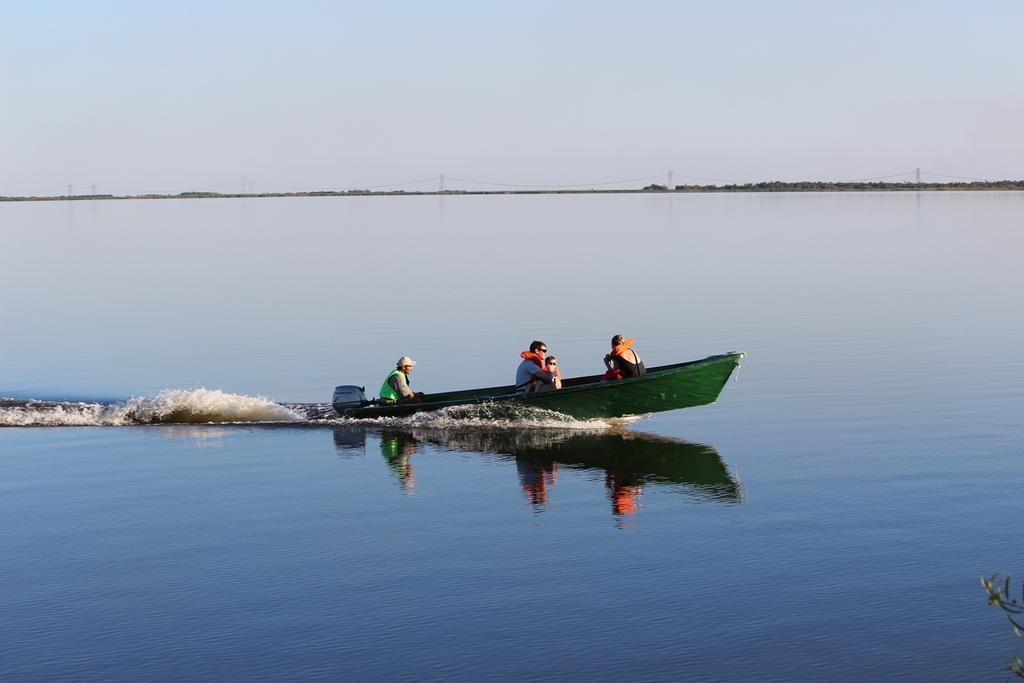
(136,97)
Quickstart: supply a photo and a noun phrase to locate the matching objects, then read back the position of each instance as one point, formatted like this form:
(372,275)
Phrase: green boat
(668,387)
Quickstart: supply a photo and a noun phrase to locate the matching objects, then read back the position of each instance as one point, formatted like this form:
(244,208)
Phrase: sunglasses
(542,350)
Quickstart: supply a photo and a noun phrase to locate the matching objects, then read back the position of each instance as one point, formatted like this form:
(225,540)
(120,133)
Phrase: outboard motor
(349,396)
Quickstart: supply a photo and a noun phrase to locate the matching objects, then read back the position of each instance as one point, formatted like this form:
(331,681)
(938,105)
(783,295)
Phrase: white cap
(405,360)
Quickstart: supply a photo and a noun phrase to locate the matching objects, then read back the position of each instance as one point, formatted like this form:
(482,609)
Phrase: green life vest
(387,391)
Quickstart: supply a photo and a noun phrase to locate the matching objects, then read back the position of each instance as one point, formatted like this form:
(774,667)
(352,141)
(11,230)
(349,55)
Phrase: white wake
(171,406)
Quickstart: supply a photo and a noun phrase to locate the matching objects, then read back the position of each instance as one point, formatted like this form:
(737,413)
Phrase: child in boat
(623,361)
(551,363)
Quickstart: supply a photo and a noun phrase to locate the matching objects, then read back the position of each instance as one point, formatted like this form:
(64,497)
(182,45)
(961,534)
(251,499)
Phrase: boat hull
(669,387)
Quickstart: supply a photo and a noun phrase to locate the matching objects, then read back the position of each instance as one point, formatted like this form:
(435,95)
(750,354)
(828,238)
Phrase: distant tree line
(765,186)
(826,186)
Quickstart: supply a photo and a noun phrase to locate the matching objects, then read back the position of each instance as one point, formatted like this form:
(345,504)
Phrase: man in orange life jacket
(623,361)
(532,375)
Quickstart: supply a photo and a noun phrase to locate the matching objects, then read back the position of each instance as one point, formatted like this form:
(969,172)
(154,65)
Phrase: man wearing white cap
(396,384)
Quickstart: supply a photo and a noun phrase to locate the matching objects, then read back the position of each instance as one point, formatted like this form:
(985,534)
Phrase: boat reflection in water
(629,460)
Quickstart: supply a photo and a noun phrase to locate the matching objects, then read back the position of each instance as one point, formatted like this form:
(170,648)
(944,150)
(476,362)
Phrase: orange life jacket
(623,347)
(534,356)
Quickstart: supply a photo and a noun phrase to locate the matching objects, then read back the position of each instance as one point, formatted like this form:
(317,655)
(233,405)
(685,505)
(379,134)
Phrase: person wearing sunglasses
(532,375)
(551,363)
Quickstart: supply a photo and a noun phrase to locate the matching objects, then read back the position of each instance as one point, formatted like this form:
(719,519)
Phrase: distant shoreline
(771,186)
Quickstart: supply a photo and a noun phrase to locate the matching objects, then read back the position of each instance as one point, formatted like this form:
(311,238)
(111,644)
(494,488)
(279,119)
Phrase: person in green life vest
(396,385)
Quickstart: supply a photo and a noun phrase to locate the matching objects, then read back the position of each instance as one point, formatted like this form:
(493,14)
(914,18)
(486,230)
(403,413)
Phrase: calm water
(827,519)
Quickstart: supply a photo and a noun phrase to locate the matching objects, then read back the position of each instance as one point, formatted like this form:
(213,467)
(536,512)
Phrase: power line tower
(670,185)
(440,185)
(71,190)
(93,190)
(918,175)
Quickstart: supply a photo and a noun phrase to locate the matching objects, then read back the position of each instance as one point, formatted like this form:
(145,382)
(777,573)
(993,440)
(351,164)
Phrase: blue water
(827,519)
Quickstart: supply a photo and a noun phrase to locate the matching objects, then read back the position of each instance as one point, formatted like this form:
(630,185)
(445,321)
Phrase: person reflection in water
(397,449)
(624,492)
(536,480)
